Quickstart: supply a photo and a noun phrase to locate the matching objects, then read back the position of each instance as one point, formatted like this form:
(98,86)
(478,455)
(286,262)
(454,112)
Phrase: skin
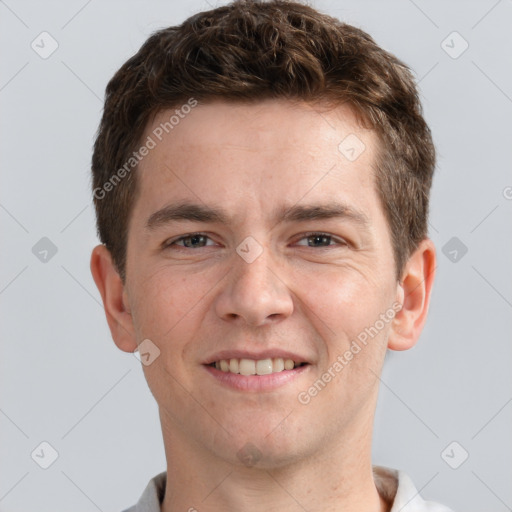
(303,295)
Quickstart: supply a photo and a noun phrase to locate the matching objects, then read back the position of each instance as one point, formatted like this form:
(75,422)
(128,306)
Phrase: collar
(394,486)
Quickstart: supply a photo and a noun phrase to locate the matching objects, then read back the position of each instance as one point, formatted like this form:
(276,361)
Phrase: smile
(255,367)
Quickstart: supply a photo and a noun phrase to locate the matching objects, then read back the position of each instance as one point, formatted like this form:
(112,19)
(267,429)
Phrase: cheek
(344,299)
(164,300)
(169,312)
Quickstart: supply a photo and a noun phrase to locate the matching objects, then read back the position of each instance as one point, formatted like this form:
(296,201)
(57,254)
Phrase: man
(261,182)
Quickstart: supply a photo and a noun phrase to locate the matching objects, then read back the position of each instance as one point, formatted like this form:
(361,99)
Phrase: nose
(254,293)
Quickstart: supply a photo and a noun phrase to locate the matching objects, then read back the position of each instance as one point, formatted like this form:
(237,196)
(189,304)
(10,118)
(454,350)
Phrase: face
(257,239)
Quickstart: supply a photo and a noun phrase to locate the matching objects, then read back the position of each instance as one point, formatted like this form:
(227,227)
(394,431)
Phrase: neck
(339,477)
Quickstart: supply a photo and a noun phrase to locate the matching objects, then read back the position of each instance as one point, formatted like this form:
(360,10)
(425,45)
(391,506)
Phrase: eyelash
(333,238)
(338,240)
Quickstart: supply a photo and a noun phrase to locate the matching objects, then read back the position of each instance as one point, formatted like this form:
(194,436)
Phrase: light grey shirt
(394,486)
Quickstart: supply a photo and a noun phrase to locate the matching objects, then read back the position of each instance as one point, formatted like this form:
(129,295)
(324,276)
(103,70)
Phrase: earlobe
(115,299)
(414,293)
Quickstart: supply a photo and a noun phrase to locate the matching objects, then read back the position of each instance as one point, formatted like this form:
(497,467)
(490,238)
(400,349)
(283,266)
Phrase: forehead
(263,125)
(269,151)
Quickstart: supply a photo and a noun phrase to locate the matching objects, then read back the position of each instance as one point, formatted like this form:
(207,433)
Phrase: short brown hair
(249,51)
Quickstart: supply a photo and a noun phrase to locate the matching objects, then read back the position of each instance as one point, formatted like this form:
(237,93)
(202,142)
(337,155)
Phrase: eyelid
(172,241)
(339,240)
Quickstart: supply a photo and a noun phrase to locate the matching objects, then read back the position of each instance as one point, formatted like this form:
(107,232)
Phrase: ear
(114,298)
(413,293)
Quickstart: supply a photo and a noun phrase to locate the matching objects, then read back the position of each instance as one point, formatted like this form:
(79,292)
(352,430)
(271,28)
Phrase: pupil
(320,239)
(192,240)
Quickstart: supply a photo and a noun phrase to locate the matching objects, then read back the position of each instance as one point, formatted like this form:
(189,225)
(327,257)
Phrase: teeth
(278,365)
(252,367)
(233,365)
(247,367)
(264,366)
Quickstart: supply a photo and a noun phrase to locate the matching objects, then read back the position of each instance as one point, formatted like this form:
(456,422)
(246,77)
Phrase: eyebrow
(298,213)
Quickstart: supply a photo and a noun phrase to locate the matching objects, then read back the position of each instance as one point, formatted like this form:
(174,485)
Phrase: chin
(263,448)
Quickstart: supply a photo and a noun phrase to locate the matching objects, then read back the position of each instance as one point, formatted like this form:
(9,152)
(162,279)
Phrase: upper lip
(264,354)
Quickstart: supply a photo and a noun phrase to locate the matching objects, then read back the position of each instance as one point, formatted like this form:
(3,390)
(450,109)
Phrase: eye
(191,241)
(320,240)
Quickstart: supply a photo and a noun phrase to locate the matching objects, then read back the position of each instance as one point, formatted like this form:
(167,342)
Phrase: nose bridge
(254,290)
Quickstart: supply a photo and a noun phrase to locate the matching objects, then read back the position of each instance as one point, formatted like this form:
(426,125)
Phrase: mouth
(248,367)
(266,371)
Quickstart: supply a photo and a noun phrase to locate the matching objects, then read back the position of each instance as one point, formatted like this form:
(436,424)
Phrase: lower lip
(256,383)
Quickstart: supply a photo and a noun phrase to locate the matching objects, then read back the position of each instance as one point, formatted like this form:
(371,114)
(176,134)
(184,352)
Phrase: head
(252,124)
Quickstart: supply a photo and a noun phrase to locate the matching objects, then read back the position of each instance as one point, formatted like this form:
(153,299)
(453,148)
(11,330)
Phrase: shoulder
(397,489)
(152,497)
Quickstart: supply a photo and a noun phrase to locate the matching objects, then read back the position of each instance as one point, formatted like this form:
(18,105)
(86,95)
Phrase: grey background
(63,380)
